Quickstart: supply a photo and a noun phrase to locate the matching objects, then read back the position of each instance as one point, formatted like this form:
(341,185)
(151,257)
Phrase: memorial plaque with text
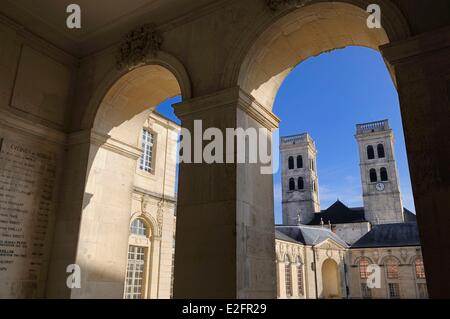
(27,186)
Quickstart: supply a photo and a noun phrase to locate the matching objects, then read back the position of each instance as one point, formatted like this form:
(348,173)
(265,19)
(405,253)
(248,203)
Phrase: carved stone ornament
(277,4)
(138,45)
(160,215)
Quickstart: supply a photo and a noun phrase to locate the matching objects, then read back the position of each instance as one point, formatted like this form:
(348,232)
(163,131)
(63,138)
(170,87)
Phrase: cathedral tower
(379,177)
(300,193)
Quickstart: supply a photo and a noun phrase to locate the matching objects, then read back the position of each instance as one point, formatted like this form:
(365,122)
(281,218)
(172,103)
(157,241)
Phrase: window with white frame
(138,227)
(145,163)
(134,281)
(394,290)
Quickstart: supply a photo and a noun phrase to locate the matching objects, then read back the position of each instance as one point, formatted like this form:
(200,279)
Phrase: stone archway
(225,259)
(306,32)
(93,230)
(330,280)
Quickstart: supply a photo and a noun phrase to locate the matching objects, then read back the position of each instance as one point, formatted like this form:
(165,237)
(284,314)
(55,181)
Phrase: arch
(383,174)
(115,77)
(301,183)
(391,264)
(291,184)
(113,147)
(291,162)
(139,227)
(330,279)
(149,220)
(281,45)
(373,175)
(299,161)
(370,152)
(380,151)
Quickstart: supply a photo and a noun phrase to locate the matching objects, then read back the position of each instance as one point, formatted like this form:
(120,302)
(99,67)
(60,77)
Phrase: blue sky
(327,96)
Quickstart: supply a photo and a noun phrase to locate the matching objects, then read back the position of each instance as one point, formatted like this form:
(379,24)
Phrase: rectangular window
(366,292)
(394,291)
(300,280)
(423,291)
(134,281)
(288,279)
(147,151)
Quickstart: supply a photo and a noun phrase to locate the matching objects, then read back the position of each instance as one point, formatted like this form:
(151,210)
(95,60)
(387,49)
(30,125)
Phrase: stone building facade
(333,250)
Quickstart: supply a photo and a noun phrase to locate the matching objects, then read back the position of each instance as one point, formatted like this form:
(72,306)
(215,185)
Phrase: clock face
(380,187)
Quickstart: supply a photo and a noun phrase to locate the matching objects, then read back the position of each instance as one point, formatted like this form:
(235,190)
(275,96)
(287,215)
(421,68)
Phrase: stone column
(422,68)
(92,224)
(225,245)
(154,268)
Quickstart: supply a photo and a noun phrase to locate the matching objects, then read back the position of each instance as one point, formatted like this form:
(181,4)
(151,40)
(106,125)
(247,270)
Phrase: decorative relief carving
(277,4)
(160,215)
(138,46)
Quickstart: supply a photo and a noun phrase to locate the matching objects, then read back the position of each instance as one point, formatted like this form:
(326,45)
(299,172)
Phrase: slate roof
(306,235)
(339,213)
(390,235)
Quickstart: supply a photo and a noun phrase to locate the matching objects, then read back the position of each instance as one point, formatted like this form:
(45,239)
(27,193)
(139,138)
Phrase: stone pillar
(154,268)
(92,225)
(422,68)
(225,246)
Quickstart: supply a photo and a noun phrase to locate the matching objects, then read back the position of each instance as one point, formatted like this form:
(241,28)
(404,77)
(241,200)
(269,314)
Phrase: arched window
(291,162)
(380,151)
(287,276)
(299,161)
(138,227)
(420,269)
(300,278)
(301,183)
(373,175)
(383,174)
(137,259)
(291,184)
(392,268)
(370,152)
(363,264)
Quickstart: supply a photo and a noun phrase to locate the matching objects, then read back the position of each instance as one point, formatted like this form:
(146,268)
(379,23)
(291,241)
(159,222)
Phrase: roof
(390,235)
(409,216)
(306,235)
(339,213)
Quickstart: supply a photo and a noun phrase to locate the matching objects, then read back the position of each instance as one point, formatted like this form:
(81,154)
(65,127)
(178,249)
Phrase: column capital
(425,43)
(233,97)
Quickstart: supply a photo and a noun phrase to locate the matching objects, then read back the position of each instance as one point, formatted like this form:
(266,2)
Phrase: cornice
(232,97)
(32,129)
